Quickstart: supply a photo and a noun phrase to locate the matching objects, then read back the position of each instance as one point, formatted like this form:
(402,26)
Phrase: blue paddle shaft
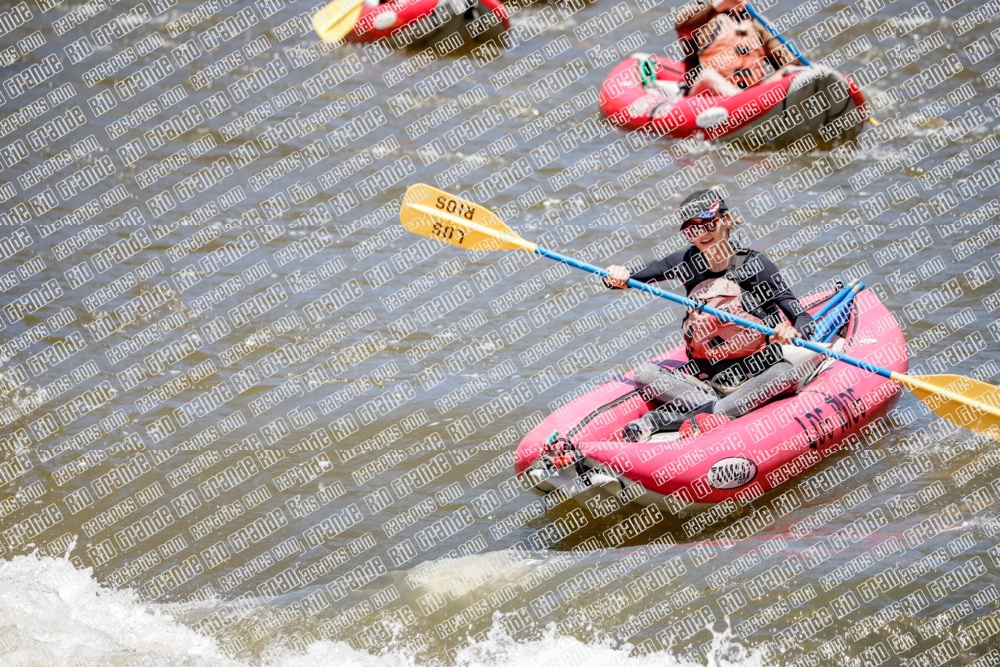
(833,302)
(840,314)
(722,315)
(795,52)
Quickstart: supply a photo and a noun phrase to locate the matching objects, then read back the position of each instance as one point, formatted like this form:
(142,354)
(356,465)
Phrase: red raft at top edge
(385,20)
(737,461)
(817,101)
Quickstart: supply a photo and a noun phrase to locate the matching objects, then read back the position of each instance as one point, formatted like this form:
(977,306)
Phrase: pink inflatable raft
(387,19)
(737,461)
(643,92)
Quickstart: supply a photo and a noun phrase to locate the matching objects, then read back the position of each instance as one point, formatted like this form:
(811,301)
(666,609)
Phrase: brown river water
(238,419)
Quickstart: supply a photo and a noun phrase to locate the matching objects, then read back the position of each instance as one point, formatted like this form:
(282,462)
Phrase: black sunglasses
(694,228)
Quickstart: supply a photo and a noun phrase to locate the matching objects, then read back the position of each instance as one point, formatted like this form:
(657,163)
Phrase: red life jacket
(712,339)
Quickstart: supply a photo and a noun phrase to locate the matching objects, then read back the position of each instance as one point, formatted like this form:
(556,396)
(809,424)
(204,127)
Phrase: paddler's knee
(759,390)
(648,373)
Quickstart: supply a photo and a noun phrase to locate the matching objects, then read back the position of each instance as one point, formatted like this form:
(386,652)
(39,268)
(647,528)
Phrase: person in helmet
(731,370)
(725,50)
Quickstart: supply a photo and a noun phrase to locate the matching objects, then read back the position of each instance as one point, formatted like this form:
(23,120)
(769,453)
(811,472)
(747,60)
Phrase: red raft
(737,461)
(437,19)
(814,101)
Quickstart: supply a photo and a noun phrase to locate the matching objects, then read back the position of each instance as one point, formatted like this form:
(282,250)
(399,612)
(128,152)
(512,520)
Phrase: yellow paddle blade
(335,21)
(439,215)
(963,401)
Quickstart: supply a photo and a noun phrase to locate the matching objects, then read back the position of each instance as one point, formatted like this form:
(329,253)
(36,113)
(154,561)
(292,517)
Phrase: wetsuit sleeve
(661,269)
(782,296)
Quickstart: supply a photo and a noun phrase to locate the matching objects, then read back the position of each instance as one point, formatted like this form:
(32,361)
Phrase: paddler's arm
(661,269)
(798,316)
(778,55)
(782,296)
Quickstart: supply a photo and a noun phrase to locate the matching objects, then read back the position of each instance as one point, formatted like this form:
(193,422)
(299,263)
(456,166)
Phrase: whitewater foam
(54,614)
(500,650)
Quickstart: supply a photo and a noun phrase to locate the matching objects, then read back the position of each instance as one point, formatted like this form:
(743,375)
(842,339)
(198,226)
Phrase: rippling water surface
(245,411)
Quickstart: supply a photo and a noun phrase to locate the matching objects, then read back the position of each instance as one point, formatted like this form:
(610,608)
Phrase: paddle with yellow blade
(439,215)
(335,21)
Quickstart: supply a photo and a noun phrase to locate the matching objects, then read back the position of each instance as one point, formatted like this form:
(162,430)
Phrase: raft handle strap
(647,71)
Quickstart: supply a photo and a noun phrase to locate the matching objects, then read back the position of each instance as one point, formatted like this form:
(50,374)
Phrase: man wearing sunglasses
(732,370)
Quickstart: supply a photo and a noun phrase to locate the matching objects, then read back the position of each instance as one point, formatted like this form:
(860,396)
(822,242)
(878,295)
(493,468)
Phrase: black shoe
(638,430)
(664,421)
(659,421)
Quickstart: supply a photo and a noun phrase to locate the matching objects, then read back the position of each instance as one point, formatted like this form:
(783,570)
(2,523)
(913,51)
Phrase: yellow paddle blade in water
(335,21)
(439,215)
(963,401)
